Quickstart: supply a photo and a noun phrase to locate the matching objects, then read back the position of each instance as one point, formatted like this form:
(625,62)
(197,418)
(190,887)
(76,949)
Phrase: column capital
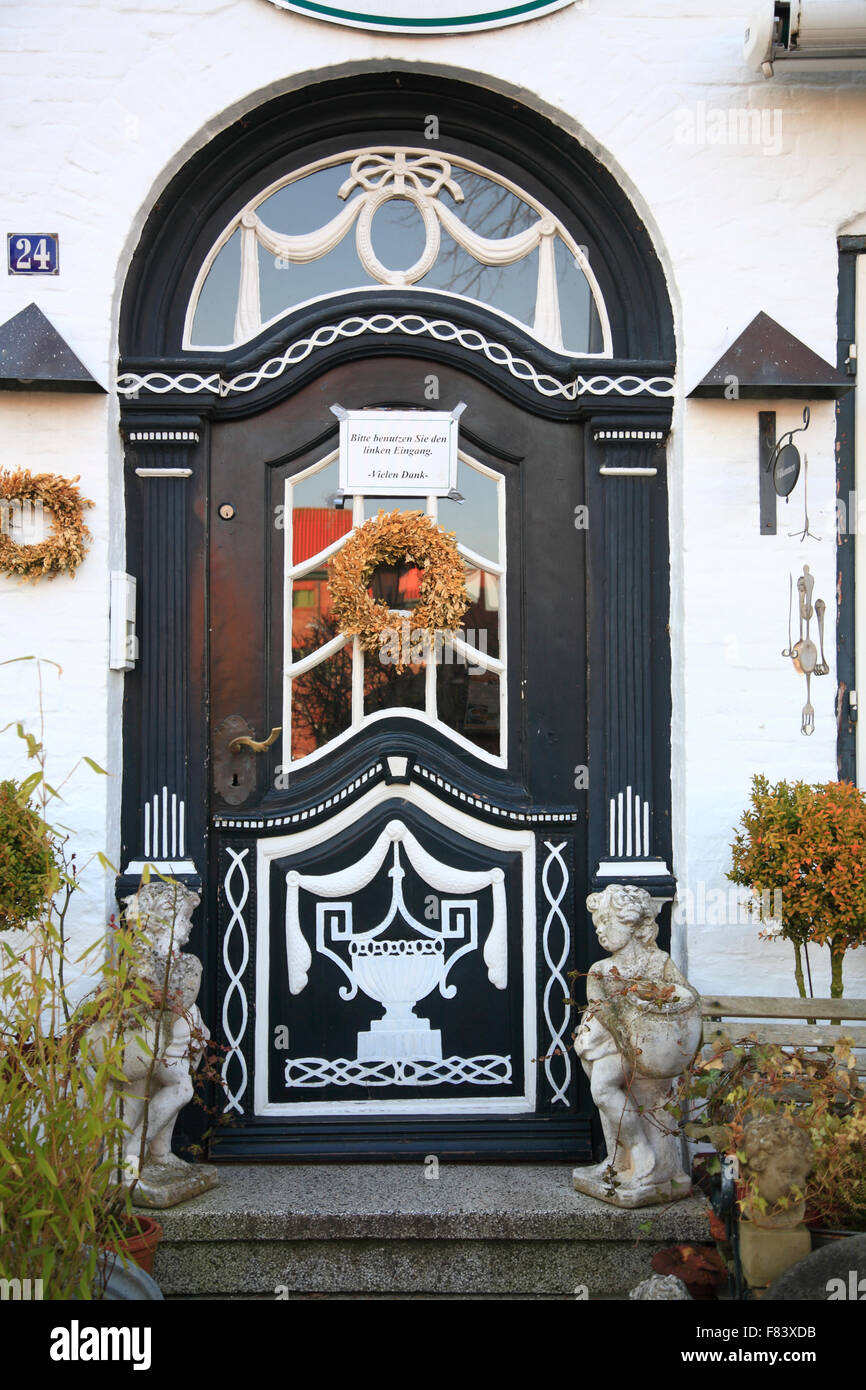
(148,430)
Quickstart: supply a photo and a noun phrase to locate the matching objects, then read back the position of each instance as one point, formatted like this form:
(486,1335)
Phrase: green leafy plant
(28,866)
(62,1195)
(809,841)
(729,1085)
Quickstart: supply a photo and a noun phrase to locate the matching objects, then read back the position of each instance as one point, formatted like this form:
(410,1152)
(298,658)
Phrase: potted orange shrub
(810,843)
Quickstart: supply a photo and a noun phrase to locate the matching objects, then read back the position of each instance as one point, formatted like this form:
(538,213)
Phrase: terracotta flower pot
(140,1245)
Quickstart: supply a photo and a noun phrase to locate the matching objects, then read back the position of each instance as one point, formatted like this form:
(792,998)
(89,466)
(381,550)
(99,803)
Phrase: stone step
(386,1230)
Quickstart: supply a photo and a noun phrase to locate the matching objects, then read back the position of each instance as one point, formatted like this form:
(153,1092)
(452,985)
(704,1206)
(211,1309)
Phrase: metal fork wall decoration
(803,653)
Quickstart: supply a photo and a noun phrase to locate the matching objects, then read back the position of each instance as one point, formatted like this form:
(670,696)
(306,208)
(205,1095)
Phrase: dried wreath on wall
(389,539)
(64,549)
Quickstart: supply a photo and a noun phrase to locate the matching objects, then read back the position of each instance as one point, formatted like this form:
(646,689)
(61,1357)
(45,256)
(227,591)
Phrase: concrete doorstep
(389,1231)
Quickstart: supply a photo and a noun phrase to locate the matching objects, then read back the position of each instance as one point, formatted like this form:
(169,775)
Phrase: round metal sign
(424,16)
(786,470)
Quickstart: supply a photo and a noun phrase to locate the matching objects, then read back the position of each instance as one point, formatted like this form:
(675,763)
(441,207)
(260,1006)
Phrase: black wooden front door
(395,878)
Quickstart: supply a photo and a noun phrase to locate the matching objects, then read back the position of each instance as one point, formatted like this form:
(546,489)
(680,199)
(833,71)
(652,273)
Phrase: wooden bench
(742,1016)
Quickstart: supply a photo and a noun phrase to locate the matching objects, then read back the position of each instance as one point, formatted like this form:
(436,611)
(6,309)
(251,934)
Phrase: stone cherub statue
(163,911)
(641,1029)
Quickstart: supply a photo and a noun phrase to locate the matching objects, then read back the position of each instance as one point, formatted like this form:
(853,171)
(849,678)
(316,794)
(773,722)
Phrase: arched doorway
(393,884)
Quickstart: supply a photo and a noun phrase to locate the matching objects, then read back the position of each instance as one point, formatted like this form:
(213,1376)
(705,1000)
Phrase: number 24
(41,255)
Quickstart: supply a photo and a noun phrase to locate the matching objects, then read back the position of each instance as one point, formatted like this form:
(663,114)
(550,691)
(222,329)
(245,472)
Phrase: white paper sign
(398,453)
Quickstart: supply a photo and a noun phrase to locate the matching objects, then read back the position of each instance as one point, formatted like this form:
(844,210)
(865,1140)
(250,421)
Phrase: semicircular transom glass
(397,218)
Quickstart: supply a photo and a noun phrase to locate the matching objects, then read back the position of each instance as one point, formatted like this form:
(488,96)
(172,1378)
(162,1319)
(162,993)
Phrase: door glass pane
(385,688)
(374,505)
(479,625)
(215,316)
(468,694)
(475,520)
(316,521)
(468,701)
(581,325)
(399,586)
(312,620)
(321,703)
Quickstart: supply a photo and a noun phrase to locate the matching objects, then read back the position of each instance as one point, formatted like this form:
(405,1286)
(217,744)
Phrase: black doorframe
(850,247)
(623,404)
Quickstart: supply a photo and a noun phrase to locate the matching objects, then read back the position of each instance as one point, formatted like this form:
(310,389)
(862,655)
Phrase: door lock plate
(234,774)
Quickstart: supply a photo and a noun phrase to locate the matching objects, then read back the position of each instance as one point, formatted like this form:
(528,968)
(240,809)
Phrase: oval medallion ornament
(424,16)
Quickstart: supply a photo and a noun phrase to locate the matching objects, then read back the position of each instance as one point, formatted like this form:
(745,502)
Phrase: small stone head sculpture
(156,906)
(779,1155)
(624,912)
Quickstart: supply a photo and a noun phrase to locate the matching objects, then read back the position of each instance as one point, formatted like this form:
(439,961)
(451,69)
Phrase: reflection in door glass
(374,505)
(321,703)
(316,521)
(215,315)
(385,688)
(480,623)
(475,520)
(468,702)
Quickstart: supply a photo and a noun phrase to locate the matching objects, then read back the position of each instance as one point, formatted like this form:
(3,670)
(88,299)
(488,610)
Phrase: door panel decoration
(643,382)
(235,959)
(556,945)
(401,971)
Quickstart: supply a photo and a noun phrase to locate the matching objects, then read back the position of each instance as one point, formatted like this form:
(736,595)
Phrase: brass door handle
(257,746)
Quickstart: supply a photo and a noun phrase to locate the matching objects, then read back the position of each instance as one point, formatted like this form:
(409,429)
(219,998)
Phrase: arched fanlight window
(291,245)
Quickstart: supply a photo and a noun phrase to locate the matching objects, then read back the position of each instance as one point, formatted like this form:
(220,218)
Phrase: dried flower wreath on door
(63,550)
(388,539)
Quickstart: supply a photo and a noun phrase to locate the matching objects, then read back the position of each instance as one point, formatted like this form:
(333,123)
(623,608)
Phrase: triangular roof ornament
(766,360)
(34,357)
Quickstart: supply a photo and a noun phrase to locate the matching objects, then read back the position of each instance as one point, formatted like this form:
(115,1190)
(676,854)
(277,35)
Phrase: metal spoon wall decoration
(804,653)
(822,669)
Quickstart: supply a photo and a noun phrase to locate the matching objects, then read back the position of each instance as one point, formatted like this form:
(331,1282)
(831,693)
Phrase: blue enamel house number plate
(33,253)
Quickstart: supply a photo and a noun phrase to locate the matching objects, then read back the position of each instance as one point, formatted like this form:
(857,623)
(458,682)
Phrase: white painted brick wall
(101,103)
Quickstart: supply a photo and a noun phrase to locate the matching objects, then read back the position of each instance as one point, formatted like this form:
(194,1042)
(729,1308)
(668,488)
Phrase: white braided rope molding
(558,1055)
(235,1036)
(413,325)
(452,1071)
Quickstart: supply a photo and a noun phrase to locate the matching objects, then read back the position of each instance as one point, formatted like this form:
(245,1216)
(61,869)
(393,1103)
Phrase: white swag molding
(440,877)
(416,177)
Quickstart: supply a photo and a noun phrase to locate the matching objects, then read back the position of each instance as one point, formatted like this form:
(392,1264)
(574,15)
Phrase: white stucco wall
(102,102)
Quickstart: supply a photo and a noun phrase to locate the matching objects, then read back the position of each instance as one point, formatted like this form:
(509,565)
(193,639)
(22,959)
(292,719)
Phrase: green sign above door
(425,16)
